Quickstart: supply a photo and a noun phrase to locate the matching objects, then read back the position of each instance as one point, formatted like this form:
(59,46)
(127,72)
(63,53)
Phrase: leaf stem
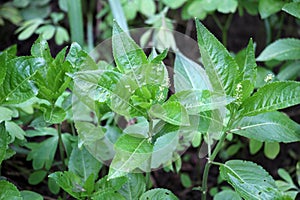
(61,147)
(209,163)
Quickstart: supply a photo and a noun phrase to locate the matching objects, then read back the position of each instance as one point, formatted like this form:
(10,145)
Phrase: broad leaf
(17,86)
(108,195)
(80,59)
(189,75)
(69,182)
(292,8)
(272,149)
(163,149)
(9,191)
(289,72)
(196,101)
(42,154)
(158,194)
(227,195)
(83,164)
(105,184)
(40,48)
(128,55)
(220,66)
(249,180)
(134,187)
(29,195)
(254,146)
(94,139)
(37,177)
(271,97)
(269,127)
(269,7)
(131,153)
(172,112)
(282,49)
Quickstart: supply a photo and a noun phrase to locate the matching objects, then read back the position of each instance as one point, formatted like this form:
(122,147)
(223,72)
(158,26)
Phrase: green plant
(208,105)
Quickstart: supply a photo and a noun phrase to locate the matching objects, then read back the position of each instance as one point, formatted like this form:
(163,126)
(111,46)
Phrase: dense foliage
(97,130)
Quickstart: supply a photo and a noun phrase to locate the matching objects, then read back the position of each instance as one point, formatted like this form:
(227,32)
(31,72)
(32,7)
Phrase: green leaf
(185,180)
(42,154)
(164,148)
(37,177)
(29,195)
(9,191)
(189,75)
(220,66)
(269,7)
(158,194)
(127,54)
(249,180)
(83,164)
(174,4)
(271,97)
(109,195)
(40,48)
(147,8)
(54,114)
(53,81)
(172,112)
(93,138)
(289,72)
(131,153)
(292,8)
(3,66)
(282,49)
(262,74)
(14,130)
(134,187)
(196,101)
(269,127)
(5,114)
(105,184)
(53,187)
(29,29)
(17,86)
(61,35)
(227,6)
(271,149)
(69,182)
(227,195)
(79,58)
(248,64)
(254,146)
(140,128)
(285,176)
(3,142)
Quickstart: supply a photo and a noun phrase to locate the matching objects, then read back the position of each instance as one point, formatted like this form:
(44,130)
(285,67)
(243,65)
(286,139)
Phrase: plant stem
(208,164)
(268,31)
(61,147)
(224,28)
